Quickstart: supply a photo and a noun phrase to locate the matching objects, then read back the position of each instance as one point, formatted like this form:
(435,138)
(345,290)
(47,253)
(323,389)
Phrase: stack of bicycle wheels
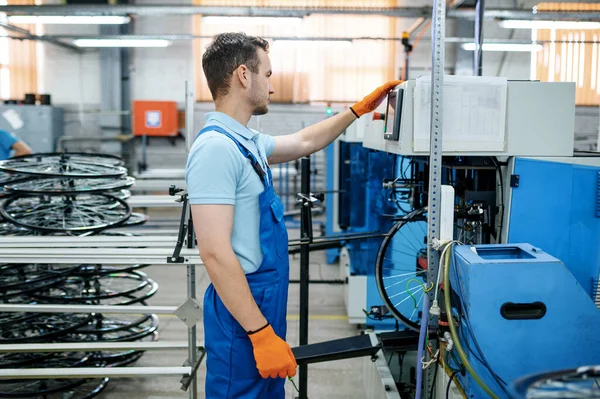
(73,194)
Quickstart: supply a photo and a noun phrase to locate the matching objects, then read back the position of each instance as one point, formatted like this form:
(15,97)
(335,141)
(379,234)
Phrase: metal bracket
(186,380)
(514,180)
(183,227)
(307,202)
(190,312)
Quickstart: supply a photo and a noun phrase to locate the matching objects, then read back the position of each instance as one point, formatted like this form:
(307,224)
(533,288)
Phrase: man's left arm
(21,149)
(318,136)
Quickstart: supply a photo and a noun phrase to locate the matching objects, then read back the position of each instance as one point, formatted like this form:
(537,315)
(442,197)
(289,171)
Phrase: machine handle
(523,311)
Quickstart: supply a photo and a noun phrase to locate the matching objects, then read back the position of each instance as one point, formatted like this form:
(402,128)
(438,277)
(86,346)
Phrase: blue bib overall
(230,366)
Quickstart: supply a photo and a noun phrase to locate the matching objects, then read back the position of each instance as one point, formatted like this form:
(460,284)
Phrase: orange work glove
(274,357)
(372,101)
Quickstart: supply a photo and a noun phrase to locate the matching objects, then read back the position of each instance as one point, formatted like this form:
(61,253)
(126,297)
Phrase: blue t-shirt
(7,140)
(218,173)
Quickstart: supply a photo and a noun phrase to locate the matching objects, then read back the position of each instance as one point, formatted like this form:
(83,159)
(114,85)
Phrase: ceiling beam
(171,37)
(26,35)
(406,12)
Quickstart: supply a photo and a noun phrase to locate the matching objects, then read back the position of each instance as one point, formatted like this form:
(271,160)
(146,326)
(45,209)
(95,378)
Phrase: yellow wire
(426,290)
(457,345)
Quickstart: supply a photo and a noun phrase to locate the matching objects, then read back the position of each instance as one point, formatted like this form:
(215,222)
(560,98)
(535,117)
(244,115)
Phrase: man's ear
(242,73)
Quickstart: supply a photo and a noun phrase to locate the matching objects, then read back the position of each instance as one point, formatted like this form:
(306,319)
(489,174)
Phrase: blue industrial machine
(360,206)
(364,203)
(519,311)
(519,308)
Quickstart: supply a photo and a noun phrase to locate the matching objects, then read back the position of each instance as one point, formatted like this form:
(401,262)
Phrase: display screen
(393,114)
(390,114)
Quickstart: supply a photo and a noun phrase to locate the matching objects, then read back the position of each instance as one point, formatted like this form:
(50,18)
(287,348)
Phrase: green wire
(410,293)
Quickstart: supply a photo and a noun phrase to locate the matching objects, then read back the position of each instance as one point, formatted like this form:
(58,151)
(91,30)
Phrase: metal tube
(435,157)
(117,260)
(478,53)
(92,372)
(416,25)
(448,40)
(304,275)
(193,388)
(61,140)
(189,115)
(38,242)
(91,346)
(299,12)
(191,269)
(33,36)
(108,309)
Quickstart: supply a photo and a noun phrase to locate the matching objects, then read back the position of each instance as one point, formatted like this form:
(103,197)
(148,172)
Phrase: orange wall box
(155,118)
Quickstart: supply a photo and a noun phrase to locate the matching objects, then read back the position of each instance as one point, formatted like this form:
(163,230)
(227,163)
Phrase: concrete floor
(331,380)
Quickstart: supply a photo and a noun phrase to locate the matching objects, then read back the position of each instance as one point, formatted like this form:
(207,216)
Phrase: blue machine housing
(526,311)
(555,207)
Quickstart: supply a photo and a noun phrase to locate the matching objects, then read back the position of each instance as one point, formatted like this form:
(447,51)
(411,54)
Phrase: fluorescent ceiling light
(288,21)
(69,20)
(523,24)
(121,43)
(343,43)
(504,47)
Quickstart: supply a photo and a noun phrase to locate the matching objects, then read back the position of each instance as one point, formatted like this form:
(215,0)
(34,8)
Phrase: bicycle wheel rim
(381,275)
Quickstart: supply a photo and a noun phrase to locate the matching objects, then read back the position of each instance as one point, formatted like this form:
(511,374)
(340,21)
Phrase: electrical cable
(454,373)
(500,225)
(457,344)
(501,383)
(437,366)
(422,335)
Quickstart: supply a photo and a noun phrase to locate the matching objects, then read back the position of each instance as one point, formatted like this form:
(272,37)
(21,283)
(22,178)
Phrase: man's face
(260,87)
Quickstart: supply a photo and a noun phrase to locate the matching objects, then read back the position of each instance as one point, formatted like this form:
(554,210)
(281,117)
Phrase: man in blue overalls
(238,219)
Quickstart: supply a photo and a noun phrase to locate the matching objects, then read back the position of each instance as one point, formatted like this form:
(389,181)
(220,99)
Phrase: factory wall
(160,74)
(74,81)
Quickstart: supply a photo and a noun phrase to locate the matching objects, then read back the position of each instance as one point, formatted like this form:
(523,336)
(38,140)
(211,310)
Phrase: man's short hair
(227,52)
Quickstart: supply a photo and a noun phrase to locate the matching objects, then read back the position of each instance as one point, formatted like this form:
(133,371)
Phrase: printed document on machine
(474,114)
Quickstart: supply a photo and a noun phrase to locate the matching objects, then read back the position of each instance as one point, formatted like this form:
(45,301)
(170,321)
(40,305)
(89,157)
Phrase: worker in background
(9,143)
(239,223)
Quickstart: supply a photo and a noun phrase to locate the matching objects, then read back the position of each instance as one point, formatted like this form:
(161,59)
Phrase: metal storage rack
(160,250)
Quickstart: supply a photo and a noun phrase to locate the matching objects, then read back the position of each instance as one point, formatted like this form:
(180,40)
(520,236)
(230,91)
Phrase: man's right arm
(213,225)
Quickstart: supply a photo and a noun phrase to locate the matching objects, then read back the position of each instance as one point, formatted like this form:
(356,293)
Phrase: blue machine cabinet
(526,311)
(554,207)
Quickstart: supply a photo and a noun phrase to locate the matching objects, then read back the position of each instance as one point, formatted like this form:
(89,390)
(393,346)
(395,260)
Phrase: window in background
(312,71)
(571,55)
(4,60)
(18,61)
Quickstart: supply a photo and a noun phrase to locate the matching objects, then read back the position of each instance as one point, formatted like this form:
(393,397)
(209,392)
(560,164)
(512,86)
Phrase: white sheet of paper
(13,118)
(474,113)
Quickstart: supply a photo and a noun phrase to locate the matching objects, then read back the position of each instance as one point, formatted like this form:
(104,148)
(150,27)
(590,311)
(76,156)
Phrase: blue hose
(422,335)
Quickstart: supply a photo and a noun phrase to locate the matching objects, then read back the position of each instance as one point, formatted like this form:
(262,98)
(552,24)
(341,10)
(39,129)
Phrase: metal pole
(191,269)
(304,275)
(193,388)
(435,159)
(478,53)
(189,115)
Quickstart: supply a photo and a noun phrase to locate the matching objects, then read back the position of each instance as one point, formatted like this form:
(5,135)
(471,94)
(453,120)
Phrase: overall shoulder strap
(245,152)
